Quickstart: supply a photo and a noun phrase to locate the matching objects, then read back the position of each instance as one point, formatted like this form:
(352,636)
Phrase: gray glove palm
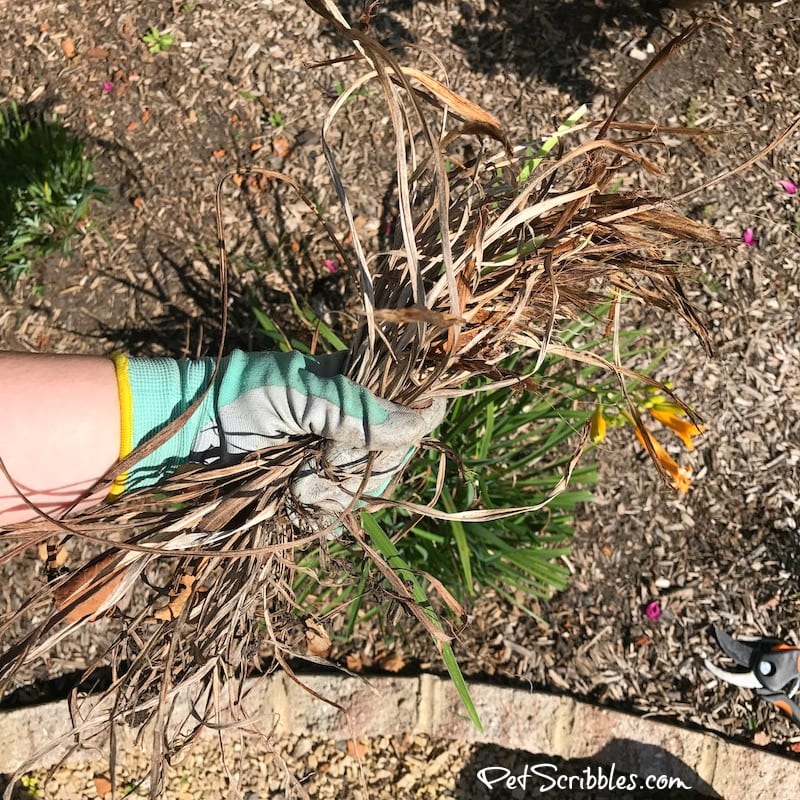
(263,399)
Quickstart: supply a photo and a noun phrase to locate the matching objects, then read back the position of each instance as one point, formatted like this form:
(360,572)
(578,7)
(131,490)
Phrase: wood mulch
(239,89)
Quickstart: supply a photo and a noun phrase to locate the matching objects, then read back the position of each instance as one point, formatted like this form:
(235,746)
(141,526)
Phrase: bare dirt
(239,87)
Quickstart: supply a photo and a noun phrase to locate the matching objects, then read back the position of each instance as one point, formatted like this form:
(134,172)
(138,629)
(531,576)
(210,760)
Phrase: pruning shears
(772,669)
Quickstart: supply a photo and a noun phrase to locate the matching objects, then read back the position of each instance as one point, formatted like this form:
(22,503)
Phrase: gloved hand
(258,400)
(331,482)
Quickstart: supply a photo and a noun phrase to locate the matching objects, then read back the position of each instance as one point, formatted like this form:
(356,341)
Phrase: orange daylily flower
(681,476)
(684,428)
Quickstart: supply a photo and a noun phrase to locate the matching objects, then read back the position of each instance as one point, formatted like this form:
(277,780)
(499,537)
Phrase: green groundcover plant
(46,187)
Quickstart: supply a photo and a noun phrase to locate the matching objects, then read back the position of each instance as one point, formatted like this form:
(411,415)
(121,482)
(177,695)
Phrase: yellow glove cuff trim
(126,420)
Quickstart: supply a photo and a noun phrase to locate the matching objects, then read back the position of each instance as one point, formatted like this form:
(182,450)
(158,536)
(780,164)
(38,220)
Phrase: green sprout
(158,41)
(276,120)
(340,89)
(692,112)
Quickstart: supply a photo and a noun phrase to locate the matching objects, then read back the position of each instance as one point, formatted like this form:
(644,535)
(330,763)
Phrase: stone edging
(539,723)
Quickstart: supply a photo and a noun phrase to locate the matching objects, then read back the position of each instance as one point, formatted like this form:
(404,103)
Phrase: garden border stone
(515,718)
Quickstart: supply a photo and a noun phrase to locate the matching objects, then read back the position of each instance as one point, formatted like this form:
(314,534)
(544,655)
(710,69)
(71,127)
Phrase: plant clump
(46,188)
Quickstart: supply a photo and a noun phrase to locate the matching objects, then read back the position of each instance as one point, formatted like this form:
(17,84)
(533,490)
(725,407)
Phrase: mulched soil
(238,88)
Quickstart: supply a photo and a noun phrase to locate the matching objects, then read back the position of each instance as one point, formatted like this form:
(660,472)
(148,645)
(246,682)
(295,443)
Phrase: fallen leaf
(219,153)
(255,146)
(354,662)
(394,662)
(237,179)
(97,52)
(177,601)
(68,46)
(281,147)
(257,182)
(607,551)
(641,641)
(126,26)
(318,643)
(795,747)
(138,203)
(102,785)
(146,114)
(44,26)
(132,126)
(356,749)
(761,738)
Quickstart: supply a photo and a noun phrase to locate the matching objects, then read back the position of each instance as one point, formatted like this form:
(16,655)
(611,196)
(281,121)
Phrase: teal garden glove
(259,400)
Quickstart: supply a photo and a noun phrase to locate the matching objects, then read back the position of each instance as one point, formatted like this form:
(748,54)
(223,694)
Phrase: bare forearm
(59,429)
(65,420)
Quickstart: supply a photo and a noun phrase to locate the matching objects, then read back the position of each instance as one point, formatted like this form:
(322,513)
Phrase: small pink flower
(108,87)
(653,611)
(789,186)
(749,238)
(331,265)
